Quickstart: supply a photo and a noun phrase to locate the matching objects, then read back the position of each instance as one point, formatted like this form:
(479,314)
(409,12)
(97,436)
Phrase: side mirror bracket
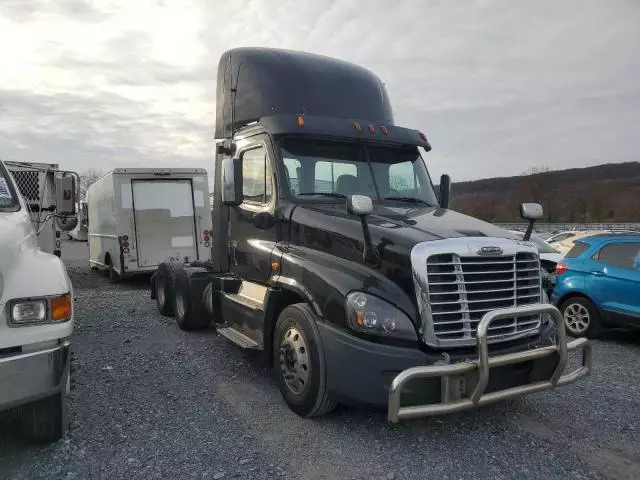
(530,212)
(445,190)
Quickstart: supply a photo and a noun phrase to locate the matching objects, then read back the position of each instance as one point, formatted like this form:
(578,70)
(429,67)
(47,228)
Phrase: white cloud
(498,86)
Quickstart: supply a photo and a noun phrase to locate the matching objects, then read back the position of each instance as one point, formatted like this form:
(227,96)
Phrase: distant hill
(605,193)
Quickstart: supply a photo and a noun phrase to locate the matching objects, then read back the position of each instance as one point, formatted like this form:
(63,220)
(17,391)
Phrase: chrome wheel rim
(294,360)
(180,307)
(577,318)
(161,294)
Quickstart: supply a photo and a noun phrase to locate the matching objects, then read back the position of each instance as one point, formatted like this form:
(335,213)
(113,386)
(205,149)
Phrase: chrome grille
(461,289)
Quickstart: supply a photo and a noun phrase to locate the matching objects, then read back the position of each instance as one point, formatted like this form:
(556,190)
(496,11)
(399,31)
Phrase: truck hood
(25,271)
(395,230)
(400,226)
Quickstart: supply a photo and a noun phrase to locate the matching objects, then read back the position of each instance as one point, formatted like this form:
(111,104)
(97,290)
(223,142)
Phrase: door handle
(234,253)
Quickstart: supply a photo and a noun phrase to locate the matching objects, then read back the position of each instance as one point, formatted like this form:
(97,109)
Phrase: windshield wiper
(408,200)
(323,194)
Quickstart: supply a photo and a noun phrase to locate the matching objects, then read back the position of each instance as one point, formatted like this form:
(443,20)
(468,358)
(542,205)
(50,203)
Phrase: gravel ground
(152,401)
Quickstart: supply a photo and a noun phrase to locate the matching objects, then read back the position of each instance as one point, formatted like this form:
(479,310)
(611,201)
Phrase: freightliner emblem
(490,251)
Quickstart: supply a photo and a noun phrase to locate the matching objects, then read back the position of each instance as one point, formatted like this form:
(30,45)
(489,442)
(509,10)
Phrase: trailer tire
(164,285)
(188,316)
(299,364)
(45,420)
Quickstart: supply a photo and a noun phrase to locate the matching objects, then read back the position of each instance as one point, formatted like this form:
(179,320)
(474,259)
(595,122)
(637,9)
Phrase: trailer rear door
(164,221)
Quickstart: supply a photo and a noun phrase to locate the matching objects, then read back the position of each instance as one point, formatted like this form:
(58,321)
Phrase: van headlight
(40,310)
(370,314)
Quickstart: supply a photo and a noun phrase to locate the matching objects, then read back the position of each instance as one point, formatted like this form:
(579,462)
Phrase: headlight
(40,310)
(29,311)
(369,314)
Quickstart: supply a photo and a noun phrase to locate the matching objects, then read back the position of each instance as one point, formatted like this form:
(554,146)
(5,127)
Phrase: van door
(164,221)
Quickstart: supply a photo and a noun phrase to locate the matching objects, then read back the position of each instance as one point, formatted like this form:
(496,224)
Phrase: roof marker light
(300,121)
(384,130)
(357,126)
(423,136)
(372,130)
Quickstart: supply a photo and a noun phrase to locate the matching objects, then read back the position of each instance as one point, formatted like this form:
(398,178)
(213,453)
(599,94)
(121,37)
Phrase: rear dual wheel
(164,279)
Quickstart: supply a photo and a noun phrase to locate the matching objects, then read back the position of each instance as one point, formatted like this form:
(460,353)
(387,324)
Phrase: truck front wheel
(299,364)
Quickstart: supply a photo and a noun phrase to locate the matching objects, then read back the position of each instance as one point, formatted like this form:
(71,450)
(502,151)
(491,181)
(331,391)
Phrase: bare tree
(88,178)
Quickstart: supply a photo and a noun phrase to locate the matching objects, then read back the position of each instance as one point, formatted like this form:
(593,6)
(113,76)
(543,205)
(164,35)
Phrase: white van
(36,318)
(141,217)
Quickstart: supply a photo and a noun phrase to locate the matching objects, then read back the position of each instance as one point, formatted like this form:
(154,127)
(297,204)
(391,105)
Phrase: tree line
(601,194)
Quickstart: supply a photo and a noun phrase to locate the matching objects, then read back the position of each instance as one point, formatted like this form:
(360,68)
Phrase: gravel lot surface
(152,401)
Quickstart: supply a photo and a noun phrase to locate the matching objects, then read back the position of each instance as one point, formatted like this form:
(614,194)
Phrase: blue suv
(598,284)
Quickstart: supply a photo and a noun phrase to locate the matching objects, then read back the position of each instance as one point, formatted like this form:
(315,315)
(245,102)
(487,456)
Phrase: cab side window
(257,184)
(621,255)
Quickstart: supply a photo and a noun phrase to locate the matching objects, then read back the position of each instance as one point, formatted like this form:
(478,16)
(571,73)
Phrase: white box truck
(43,186)
(141,217)
(36,319)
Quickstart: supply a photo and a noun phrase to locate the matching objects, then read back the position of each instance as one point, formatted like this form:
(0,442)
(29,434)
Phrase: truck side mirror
(361,205)
(66,195)
(531,212)
(66,224)
(445,190)
(232,182)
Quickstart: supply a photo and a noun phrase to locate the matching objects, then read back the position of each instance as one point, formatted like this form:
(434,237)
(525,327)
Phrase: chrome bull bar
(484,363)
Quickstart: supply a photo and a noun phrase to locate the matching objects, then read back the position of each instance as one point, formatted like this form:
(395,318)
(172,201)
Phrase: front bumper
(26,377)
(412,383)
(465,383)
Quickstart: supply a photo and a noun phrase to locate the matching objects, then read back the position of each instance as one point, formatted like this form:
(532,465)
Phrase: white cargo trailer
(141,217)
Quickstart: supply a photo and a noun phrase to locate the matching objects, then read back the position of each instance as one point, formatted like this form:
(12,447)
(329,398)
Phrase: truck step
(238,338)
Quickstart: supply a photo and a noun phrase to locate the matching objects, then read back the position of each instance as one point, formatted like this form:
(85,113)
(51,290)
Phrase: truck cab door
(252,229)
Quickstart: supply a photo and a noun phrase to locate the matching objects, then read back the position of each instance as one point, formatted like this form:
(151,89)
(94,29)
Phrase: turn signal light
(61,308)
(125,238)
(561,268)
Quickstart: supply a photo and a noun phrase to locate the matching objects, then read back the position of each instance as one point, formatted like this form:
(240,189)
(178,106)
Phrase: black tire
(581,317)
(189,315)
(164,278)
(311,398)
(113,275)
(45,420)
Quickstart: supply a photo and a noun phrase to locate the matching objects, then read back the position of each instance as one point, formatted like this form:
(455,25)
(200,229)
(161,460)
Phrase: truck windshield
(8,200)
(323,169)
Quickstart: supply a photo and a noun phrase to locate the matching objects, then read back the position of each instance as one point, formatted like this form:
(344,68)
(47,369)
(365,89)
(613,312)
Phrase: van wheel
(45,420)
(299,363)
(164,278)
(188,316)
(581,317)
(113,275)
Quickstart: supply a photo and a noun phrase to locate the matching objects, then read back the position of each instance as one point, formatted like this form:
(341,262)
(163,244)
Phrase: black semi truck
(334,256)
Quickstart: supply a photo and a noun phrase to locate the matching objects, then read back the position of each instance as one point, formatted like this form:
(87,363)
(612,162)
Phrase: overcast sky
(497,86)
